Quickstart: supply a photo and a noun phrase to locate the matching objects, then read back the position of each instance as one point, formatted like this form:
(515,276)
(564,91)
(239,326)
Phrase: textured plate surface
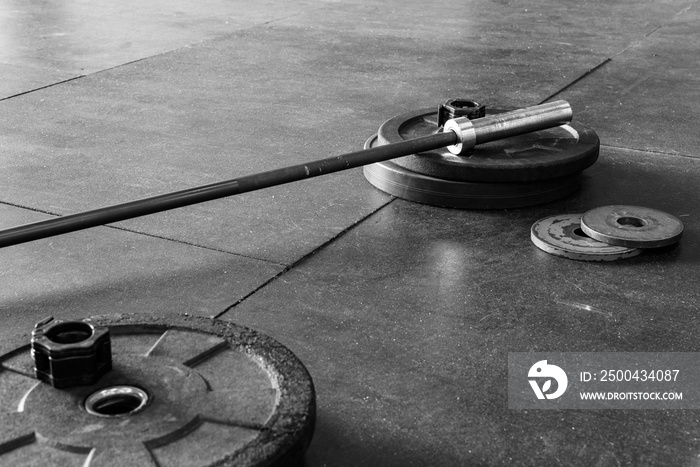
(398,181)
(632,226)
(219,394)
(561,235)
(551,153)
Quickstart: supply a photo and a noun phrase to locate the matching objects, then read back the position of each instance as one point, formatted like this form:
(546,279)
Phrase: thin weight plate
(632,226)
(218,394)
(412,186)
(562,236)
(552,153)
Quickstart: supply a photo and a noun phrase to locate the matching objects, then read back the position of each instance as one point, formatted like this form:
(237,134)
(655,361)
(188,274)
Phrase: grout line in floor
(304,258)
(624,49)
(196,42)
(146,234)
(664,23)
(583,76)
(285,267)
(196,245)
(131,62)
(42,87)
(651,151)
(28,208)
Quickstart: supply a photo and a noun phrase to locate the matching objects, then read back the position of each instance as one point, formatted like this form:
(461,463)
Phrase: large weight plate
(218,394)
(632,226)
(398,181)
(561,235)
(552,153)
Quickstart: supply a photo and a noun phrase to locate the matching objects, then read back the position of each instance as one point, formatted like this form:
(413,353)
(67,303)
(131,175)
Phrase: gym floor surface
(403,313)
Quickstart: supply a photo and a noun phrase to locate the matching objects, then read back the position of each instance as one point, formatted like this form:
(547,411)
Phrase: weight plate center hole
(70,333)
(630,221)
(578,231)
(116,401)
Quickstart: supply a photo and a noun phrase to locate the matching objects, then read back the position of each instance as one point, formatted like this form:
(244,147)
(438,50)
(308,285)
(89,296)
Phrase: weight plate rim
(570,251)
(390,131)
(402,183)
(604,231)
(284,438)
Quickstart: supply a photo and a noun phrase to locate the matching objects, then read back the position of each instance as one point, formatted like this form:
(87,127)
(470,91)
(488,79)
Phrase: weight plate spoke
(138,454)
(239,407)
(16,431)
(186,347)
(182,391)
(203,444)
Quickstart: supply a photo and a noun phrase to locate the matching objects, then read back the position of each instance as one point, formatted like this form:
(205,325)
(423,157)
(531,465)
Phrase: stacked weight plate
(514,172)
(561,235)
(606,233)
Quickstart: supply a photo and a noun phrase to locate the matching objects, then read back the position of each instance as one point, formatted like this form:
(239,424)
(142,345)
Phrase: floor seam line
(196,245)
(609,59)
(303,258)
(663,24)
(201,41)
(131,62)
(43,87)
(146,234)
(677,154)
(215,38)
(583,76)
(637,42)
(20,206)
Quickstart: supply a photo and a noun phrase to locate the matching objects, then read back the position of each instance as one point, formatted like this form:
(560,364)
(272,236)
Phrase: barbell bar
(459,136)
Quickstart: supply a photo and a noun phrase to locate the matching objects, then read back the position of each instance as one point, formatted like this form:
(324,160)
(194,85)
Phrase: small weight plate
(562,236)
(542,155)
(403,183)
(632,226)
(183,391)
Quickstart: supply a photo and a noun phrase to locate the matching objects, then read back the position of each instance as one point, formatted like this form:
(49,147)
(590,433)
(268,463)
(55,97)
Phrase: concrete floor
(404,314)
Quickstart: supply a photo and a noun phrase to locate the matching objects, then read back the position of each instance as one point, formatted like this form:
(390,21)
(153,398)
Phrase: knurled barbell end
(464,129)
